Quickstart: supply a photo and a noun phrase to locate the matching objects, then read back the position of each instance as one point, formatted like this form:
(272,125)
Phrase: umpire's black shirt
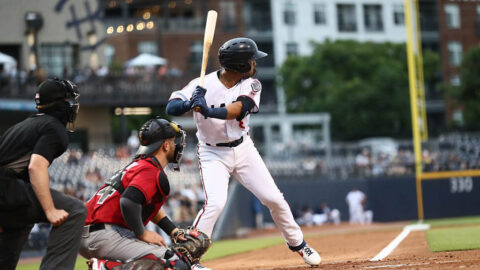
(40,134)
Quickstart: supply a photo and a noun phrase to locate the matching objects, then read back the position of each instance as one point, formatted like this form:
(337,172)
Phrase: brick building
(459,27)
(171,29)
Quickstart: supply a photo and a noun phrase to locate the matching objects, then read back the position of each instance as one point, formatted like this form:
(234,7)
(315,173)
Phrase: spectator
(122,152)
(362,162)
(306,218)
(73,158)
(133,142)
(355,200)
(323,215)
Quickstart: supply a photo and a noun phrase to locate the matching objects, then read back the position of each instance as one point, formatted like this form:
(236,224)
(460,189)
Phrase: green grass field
(218,249)
(461,234)
(450,239)
(453,221)
(80,265)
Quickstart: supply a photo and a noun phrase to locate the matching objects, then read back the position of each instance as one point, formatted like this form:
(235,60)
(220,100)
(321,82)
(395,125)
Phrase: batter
(225,147)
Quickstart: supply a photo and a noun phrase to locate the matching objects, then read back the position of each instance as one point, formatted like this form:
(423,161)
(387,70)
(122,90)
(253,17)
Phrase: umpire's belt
(229,144)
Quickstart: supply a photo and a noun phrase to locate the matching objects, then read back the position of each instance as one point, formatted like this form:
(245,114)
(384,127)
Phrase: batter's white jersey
(243,161)
(213,130)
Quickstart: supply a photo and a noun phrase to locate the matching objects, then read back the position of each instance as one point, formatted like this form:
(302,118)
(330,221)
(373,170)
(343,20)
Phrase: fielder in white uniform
(356,200)
(225,147)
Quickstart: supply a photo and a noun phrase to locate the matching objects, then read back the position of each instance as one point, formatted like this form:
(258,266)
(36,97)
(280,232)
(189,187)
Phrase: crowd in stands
(322,214)
(449,152)
(102,81)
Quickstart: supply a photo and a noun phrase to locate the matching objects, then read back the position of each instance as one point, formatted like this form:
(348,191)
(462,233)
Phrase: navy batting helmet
(235,53)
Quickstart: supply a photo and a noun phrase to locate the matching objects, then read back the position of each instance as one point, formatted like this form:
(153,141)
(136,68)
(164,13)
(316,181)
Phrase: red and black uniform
(148,177)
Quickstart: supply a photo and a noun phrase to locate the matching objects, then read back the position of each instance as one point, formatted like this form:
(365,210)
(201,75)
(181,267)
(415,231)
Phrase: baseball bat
(207,43)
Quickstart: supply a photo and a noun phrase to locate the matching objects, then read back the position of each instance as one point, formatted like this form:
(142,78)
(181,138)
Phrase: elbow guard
(247,106)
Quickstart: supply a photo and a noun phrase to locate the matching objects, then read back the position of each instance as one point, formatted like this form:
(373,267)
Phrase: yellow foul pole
(410,11)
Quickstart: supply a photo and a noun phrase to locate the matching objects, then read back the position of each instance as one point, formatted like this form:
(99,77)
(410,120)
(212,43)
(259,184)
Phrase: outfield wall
(390,198)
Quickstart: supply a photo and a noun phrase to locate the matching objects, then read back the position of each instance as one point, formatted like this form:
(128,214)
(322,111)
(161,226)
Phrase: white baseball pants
(246,165)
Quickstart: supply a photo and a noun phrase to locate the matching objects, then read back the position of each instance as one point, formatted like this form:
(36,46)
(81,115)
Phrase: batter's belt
(228,144)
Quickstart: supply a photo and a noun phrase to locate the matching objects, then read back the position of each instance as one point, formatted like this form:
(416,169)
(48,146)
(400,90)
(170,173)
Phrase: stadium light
(150,25)
(133,111)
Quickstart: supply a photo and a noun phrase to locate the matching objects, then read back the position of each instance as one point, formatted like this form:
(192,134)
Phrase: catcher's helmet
(235,53)
(154,132)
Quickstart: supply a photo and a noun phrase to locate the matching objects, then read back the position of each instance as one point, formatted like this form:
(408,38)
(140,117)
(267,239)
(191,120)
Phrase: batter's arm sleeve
(131,207)
(178,107)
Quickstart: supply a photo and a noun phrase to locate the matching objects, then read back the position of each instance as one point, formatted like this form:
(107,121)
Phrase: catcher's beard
(171,153)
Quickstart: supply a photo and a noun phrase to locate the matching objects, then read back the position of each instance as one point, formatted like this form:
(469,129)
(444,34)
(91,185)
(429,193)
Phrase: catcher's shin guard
(151,262)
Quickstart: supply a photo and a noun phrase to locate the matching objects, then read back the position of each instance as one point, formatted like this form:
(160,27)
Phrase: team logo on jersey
(256,87)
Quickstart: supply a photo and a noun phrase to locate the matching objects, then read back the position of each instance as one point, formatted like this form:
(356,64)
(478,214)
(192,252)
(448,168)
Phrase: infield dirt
(351,247)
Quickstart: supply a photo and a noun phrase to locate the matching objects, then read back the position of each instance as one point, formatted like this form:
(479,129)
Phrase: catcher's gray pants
(63,242)
(117,243)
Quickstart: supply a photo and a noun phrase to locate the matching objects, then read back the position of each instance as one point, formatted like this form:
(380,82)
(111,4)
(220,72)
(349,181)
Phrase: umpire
(26,151)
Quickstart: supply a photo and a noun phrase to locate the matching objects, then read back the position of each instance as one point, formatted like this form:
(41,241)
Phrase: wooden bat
(207,43)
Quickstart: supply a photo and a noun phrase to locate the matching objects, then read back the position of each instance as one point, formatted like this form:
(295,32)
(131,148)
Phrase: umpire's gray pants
(63,242)
(117,243)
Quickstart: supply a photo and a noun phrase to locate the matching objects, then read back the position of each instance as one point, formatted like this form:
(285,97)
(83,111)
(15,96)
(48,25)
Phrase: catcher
(114,235)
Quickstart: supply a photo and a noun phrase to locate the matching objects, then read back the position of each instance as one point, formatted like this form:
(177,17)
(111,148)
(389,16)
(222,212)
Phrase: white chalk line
(405,232)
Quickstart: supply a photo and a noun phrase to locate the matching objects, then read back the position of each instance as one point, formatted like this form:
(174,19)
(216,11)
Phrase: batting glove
(199,92)
(202,104)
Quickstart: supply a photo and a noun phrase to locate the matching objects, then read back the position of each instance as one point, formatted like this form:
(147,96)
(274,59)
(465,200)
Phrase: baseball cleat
(310,255)
(96,264)
(198,266)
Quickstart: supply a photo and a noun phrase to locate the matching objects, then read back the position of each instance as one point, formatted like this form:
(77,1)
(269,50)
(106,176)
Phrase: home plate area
(354,247)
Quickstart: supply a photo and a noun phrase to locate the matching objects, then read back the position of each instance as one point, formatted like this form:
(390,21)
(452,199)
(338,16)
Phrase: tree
(364,86)
(468,93)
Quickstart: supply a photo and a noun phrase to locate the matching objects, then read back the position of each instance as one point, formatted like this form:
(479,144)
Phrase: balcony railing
(125,90)
(110,90)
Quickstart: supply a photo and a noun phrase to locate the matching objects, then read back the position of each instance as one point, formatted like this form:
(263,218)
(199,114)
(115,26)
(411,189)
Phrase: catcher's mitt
(195,246)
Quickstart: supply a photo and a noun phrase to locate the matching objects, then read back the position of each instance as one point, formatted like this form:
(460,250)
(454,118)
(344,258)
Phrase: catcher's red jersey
(104,206)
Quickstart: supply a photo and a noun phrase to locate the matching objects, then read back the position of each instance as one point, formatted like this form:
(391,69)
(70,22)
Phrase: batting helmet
(235,53)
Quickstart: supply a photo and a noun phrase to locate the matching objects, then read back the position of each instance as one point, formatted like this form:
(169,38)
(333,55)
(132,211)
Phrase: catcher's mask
(56,94)
(154,133)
